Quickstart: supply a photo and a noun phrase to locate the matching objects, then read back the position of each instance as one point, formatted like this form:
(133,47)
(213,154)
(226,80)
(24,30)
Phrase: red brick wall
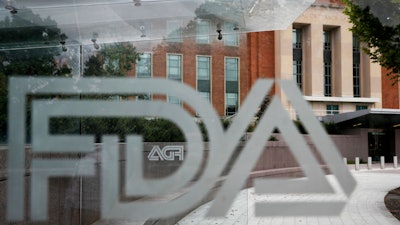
(255,53)
(390,92)
(189,49)
(261,55)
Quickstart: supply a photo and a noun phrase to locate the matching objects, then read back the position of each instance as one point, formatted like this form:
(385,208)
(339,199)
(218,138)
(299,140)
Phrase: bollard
(369,163)
(395,162)
(382,162)
(357,163)
(345,160)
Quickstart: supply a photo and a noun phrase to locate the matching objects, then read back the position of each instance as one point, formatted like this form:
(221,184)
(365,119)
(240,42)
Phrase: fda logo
(167,153)
(220,149)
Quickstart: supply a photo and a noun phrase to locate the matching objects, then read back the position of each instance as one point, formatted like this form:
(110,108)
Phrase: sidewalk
(366,205)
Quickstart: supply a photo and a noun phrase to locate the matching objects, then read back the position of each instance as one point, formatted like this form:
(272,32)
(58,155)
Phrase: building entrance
(380,144)
(376,144)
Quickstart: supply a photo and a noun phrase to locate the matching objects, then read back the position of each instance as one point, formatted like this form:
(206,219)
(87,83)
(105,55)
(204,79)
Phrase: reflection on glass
(121,46)
(143,66)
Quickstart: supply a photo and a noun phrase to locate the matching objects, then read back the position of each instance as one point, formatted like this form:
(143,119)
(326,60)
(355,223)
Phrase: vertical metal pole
(369,163)
(80,132)
(357,163)
(382,162)
(395,162)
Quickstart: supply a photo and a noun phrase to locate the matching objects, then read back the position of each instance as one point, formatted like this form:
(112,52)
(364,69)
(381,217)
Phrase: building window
(174,67)
(361,107)
(111,64)
(174,72)
(143,70)
(232,38)
(356,67)
(174,31)
(332,109)
(143,66)
(205,95)
(231,103)
(297,57)
(144,97)
(203,65)
(327,63)
(231,69)
(203,32)
(231,85)
(174,100)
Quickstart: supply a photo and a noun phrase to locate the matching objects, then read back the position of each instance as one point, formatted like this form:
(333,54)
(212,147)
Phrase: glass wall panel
(117,112)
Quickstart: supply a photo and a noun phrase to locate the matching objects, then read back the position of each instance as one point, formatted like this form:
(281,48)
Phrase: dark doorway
(380,144)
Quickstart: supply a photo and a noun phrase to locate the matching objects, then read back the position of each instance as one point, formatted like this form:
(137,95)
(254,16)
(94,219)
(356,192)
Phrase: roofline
(341,99)
(339,118)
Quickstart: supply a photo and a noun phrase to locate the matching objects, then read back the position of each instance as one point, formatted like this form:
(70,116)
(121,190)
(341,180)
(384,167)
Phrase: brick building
(318,51)
(391,91)
(217,69)
(325,60)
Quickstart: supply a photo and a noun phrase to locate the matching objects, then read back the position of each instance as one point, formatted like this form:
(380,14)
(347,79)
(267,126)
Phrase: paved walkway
(366,205)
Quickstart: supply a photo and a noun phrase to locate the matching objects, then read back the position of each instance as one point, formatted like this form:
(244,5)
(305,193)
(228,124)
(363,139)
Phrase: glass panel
(231,65)
(327,40)
(230,39)
(327,63)
(361,107)
(231,103)
(123,21)
(203,32)
(297,40)
(332,109)
(174,31)
(174,100)
(85,139)
(356,67)
(174,67)
(203,68)
(297,57)
(143,66)
(205,95)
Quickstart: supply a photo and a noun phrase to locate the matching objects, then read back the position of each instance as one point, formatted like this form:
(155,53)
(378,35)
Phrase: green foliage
(28,53)
(263,107)
(226,123)
(377,23)
(64,126)
(94,67)
(162,130)
(112,60)
(18,32)
(23,51)
(203,131)
(300,127)
(152,130)
(219,11)
(332,128)
(31,62)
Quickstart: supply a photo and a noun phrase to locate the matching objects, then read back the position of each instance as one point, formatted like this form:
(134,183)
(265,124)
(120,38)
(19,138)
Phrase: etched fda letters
(221,146)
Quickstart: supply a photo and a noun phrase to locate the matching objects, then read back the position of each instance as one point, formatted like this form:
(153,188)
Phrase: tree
(25,51)
(27,44)
(112,60)
(377,24)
